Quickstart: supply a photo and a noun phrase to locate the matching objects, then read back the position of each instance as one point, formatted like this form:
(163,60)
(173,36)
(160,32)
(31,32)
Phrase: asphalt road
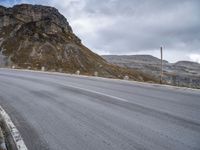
(66,112)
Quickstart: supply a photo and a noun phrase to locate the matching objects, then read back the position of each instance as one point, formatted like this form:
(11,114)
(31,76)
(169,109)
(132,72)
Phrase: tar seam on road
(14,131)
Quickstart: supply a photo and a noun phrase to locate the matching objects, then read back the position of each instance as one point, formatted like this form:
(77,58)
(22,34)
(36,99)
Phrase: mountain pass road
(55,111)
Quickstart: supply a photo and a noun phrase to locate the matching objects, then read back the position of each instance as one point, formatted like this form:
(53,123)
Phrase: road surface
(66,112)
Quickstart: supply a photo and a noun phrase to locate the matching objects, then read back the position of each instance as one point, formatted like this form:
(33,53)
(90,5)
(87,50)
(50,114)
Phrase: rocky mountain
(182,73)
(145,62)
(35,37)
(133,58)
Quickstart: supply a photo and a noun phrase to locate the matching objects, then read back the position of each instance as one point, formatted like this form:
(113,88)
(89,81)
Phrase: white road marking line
(95,92)
(14,131)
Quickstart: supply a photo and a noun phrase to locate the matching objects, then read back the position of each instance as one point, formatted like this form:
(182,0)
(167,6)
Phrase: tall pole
(161,63)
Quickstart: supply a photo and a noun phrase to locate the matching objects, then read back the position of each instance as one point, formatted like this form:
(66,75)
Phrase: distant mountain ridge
(132,58)
(183,73)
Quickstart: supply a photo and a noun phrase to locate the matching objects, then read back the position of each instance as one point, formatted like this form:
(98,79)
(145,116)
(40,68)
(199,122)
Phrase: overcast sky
(133,26)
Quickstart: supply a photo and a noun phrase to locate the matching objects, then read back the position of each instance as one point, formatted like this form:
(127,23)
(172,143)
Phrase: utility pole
(161,63)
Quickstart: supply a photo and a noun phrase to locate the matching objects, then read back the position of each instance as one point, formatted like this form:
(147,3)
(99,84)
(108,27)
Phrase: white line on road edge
(13,130)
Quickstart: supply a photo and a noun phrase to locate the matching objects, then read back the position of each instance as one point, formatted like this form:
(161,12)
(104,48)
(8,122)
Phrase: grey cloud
(145,25)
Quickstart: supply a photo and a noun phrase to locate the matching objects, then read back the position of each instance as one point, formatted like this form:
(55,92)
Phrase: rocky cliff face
(35,36)
(22,14)
(30,33)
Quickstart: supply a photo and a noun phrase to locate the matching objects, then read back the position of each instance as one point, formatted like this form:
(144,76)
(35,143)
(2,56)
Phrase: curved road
(66,112)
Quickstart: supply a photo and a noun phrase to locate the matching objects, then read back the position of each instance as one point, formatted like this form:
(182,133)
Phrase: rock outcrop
(25,13)
(37,36)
